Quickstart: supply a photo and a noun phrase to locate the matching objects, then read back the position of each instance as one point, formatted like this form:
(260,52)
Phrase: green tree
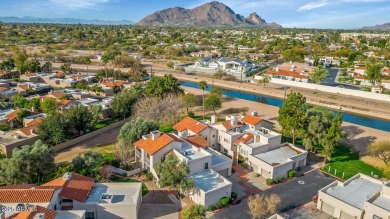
(79,117)
(319,120)
(49,105)
(20,57)
(203,85)
(189,100)
(47,67)
(23,113)
(19,101)
(292,114)
(332,136)
(213,102)
(67,68)
(137,72)
(295,54)
(54,129)
(319,75)
(160,87)
(265,80)
(122,102)
(132,131)
(33,103)
(32,66)
(7,65)
(194,212)
(374,72)
(381,150)
(174,174)
(36,161)
(89,164)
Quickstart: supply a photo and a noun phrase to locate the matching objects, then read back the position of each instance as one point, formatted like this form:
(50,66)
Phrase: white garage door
(344,215)
(265,174)
(327,208)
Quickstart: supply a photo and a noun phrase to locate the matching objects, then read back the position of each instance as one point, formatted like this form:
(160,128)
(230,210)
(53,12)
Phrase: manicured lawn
(166,128)
(347,163)
(351,168)
(209,118)
(102,124)
(145,189)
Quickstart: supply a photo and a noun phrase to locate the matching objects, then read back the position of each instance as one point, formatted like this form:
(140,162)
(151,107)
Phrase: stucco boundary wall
(87,136)
(335,90)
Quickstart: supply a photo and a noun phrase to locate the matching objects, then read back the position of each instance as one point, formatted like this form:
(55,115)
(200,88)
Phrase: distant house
(23,89)
(288,75)
(229,65)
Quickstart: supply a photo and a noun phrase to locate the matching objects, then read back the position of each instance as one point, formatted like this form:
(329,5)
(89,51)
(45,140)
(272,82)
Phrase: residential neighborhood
(195,111)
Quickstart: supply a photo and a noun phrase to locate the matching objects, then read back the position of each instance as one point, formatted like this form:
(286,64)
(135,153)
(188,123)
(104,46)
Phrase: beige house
(361,197)
(73,196)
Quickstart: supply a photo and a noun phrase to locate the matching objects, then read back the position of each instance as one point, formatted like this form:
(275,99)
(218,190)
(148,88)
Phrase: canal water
(375,123)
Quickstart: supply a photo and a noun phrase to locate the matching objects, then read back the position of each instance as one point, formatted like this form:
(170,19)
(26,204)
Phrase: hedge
(225,201)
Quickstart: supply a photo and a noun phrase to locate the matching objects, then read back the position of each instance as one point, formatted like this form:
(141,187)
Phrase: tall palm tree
(203,85)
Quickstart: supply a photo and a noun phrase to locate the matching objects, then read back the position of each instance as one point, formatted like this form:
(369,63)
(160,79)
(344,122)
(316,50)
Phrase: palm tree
(203,85)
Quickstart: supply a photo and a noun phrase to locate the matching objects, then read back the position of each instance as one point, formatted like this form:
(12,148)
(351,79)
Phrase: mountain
(209,14)
(385,26)
(62,21)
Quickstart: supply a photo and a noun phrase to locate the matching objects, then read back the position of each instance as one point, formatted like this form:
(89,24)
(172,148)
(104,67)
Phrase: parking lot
(293,193)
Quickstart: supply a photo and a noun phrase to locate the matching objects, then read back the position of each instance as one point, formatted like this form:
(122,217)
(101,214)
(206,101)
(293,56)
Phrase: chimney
(277,69)
(213,119)
(254,113)
(67,175)
(155,134)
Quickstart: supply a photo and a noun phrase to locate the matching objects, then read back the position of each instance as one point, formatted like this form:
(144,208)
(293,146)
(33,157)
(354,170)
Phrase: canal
(375,123)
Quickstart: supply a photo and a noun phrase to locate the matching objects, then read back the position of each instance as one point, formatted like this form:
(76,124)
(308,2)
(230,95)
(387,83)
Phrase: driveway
(158,204)
(331,80)
(293,193)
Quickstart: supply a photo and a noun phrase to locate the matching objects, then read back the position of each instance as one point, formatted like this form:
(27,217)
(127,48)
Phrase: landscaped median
(345,164)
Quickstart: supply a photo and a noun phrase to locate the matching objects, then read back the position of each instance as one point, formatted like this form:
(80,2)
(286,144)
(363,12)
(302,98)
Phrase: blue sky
(289,13)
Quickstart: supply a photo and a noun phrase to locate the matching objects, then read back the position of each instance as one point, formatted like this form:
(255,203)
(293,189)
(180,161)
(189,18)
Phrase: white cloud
(78,4)
(313,5)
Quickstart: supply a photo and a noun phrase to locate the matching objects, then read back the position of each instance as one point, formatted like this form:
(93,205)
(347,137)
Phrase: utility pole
(242,71)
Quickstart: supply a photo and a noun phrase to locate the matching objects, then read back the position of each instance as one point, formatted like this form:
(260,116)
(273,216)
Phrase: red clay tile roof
(55,95)
(191,124)
(64,103)
(12,116)
(59,74)
(245,138)
(152,146)
(197,140)
(24,87)
(118,83)
(19,186)
(29,130)
(30,74)
(77,188)
(251,120)
(56,182)
(24,195)
(48,214)
(359,77)
(286,73)
(35,121)
(108,84)
(361,68)
(228,124)
(3,88)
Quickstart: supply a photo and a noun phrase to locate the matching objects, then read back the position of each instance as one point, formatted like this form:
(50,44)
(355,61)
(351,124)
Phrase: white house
(360,197)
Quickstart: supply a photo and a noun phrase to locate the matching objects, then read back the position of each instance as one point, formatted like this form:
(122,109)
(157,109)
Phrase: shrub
(241,159)
(225,201)
(291,173)
(218,205)
(195,211)
(115,163)
(191,114)
(234,195)
(268,182)
(170,64)
(4,128)
(277,179)
(256,174)
(149,176)
(128,167)
(211,207)
(244,165)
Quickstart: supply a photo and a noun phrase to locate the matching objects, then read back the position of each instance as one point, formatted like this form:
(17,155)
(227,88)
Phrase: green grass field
(345,164)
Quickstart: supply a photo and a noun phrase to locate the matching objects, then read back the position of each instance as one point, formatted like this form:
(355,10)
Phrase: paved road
(332,80)
(293,194)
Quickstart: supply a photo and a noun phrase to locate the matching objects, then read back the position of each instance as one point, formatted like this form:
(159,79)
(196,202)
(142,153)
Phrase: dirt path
(71,152)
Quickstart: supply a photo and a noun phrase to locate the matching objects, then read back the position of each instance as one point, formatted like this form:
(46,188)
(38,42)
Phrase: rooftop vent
(106,198)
